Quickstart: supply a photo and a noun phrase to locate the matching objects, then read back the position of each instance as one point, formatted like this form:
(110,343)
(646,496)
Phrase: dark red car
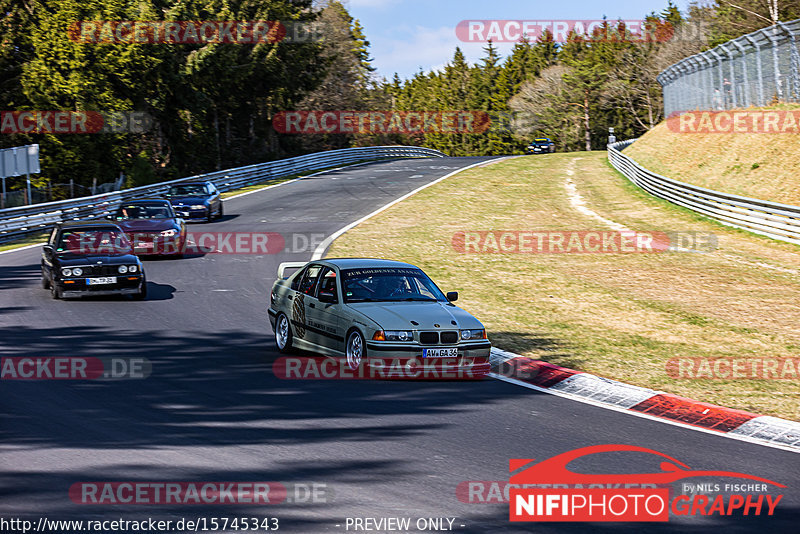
(152,227)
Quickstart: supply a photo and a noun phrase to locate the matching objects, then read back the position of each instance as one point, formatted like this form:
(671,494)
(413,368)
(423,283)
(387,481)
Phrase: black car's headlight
(66,272)
(469,335)
(122,269)
(169,233)
(133,268)
(199,207)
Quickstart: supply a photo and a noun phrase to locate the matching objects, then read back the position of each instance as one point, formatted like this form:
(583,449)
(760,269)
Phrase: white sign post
(16,161)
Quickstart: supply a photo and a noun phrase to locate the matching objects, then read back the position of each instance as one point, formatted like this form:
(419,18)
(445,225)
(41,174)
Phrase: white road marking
(320,250)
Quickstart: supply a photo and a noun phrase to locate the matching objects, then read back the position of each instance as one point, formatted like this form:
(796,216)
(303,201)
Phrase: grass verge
(622,316)
(758,165)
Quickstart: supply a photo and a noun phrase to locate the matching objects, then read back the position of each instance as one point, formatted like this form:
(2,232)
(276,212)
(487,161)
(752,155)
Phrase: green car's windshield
(389,285)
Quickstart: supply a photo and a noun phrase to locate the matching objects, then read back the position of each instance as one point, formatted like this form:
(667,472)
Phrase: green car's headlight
(393,335)
(468,335)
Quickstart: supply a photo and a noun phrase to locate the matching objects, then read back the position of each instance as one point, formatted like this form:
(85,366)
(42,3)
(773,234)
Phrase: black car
(152,226)
(91,258)
(542,145)
(196,201)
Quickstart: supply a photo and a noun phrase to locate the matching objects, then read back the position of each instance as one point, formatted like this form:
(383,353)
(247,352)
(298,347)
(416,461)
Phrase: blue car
(196,201)
(542,145)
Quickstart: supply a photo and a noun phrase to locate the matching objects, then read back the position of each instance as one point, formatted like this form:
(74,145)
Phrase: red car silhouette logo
(554,470)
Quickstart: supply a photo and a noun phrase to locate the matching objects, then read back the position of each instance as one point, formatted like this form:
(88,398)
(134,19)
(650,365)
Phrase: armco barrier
(15,222)
(778,221)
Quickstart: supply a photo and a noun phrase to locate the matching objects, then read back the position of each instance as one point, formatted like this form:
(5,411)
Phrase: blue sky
(408,34)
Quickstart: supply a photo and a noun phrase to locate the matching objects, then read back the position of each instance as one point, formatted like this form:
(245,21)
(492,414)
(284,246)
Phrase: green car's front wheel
(355,349)
(283,334)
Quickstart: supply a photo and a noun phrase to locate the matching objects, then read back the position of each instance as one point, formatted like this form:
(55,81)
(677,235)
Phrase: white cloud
(419,46)
(369,3)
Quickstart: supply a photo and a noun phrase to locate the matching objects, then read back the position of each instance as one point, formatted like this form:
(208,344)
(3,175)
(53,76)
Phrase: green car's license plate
(440,353)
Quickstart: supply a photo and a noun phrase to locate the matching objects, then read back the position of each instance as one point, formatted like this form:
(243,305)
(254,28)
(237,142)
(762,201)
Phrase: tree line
(211,105)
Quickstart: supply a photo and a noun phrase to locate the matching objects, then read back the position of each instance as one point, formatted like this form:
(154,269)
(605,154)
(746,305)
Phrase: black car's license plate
(105,280)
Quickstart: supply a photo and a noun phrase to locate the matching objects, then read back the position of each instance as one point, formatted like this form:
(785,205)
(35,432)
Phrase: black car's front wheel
(45,281)
(283,334)
(55,291)
(355,349)
(221,213)
(142,294)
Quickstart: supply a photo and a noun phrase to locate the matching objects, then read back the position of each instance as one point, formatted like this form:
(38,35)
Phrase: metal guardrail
(778,221)
(15,222)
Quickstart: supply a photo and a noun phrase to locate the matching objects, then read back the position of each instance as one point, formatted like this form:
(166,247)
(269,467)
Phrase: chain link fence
(758,69)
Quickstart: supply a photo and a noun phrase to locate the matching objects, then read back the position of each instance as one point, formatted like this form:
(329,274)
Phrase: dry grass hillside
(758,165)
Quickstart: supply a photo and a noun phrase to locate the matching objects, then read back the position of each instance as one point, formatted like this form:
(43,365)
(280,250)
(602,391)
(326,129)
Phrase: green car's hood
(398,315)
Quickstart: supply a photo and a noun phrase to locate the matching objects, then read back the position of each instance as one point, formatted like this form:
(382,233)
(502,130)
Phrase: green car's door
(323,310)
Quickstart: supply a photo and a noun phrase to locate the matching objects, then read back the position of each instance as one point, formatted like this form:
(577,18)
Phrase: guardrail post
(708,81)
(794,55)
(746,91)
(721,89)
(759,70)
(776,64)
(733,75)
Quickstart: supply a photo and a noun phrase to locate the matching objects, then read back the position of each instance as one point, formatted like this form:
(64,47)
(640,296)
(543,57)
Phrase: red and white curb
(643,402)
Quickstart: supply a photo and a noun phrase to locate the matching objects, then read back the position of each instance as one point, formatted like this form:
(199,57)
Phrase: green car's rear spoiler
(289,265)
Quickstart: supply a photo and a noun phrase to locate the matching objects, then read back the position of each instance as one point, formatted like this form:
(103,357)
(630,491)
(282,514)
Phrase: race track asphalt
(212,410)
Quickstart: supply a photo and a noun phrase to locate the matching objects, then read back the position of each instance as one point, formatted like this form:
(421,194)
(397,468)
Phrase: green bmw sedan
(370,310)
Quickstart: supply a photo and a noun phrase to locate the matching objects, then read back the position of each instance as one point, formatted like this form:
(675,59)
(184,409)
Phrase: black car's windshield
(189,190)
(144,211)
(389,285)
(94,241)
